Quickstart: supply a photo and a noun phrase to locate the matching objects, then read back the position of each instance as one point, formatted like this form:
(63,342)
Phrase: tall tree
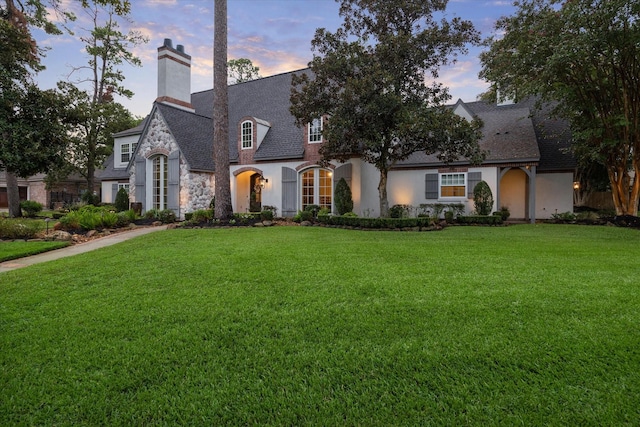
(223,209)
(98,115)
(368,81)
(25,144)
(584,57)
(242,70)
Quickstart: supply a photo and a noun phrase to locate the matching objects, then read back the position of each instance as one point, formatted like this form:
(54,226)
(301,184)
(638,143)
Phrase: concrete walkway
(78,249)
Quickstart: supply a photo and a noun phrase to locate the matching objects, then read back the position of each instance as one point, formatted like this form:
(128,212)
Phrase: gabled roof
(265,99)
(193,134)
(508,136)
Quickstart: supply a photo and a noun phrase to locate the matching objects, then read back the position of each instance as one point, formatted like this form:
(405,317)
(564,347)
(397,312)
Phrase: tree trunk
(382,192)
(223,209)
(13,195)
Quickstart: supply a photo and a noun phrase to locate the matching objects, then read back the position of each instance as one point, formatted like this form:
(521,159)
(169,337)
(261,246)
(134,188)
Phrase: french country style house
(167,161)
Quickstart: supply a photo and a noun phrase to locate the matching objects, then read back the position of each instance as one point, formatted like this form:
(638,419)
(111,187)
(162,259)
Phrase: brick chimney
(174,76)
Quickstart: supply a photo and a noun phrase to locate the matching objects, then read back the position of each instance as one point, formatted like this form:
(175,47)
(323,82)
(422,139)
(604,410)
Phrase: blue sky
(275,34)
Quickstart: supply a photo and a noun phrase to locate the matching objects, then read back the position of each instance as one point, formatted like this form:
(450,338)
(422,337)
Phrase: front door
(255,193)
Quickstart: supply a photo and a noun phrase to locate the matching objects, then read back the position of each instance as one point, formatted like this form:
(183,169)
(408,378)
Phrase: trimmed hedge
(387,223)
(480,220)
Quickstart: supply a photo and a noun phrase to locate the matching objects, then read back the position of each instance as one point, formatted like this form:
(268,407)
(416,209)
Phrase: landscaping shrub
(564,216)
(399,211)
(167,216)
(125,218)
(480,219)
(482,198)
(314,209)
(343,198)
(30,208)
(109,219)
(273,209)
(90,198)
(504,213)
(201,215)
(266,215)
(122,200)
(151,214)
(19,228)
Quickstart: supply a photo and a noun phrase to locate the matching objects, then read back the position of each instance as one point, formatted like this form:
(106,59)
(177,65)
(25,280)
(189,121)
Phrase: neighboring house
(274,162)
(35,188)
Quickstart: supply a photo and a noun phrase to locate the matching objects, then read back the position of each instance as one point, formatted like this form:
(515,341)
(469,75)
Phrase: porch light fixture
(263,181)
(576,185)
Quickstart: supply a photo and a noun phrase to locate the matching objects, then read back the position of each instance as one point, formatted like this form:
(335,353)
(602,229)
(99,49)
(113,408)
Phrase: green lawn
(19,248)
(519,325)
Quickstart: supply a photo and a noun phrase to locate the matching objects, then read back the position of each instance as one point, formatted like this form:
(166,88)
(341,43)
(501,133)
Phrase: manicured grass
(519,325)
(17,249)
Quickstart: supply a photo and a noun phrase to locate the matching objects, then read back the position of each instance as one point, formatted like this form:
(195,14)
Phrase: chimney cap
(180,48)
(168,43)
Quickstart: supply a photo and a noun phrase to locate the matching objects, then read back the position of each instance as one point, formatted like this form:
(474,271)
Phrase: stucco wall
(554,194)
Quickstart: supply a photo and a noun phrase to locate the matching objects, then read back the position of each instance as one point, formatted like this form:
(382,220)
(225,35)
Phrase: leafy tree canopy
(368,79)
(584,57)
(242,70)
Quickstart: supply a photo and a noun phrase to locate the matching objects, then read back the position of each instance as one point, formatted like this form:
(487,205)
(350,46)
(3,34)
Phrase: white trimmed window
(315,131)
(125,152)
(125,186)
(247,135)
(317,188)
(159,190)
(453,185)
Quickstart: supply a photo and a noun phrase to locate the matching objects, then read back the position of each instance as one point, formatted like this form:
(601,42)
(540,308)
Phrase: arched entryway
(248,191)
(516,191)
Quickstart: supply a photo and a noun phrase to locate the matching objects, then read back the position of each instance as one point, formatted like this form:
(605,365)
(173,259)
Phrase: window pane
(247,135)
(308,184)
(452,185)
(315,130)
(324,189)
(124,153)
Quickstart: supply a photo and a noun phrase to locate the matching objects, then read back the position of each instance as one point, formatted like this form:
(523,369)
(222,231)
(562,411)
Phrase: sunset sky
(275,34)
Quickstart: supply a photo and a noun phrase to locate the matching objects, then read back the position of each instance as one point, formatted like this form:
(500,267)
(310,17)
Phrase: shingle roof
(508,136)
(193,134)
(514,133)
(109,173)
(266,99)
(511,133)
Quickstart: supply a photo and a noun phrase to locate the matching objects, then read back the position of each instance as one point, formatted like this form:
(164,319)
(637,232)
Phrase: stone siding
(196,188)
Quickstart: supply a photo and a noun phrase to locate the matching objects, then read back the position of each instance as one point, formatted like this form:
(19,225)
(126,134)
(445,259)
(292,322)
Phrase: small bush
(151,214)
(122,200)
(273,209)
(19,228)
(564,216)
(90,198)
(30,208)
(167,216)
(482,198)
(124,219)
(109,219)
(201,215)
(343,198)
(399,211)
(314,209)
(266,215)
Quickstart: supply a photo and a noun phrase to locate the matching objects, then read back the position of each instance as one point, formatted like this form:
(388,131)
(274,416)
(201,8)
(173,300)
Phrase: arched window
(159,190)
(317,188)
(247,135)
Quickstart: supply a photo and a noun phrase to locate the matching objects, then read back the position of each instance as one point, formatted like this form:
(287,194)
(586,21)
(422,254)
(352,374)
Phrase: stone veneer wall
(196,188)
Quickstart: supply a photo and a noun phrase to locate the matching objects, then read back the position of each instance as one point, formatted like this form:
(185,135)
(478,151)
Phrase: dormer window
(315,131)
(125,152)
(247,135)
